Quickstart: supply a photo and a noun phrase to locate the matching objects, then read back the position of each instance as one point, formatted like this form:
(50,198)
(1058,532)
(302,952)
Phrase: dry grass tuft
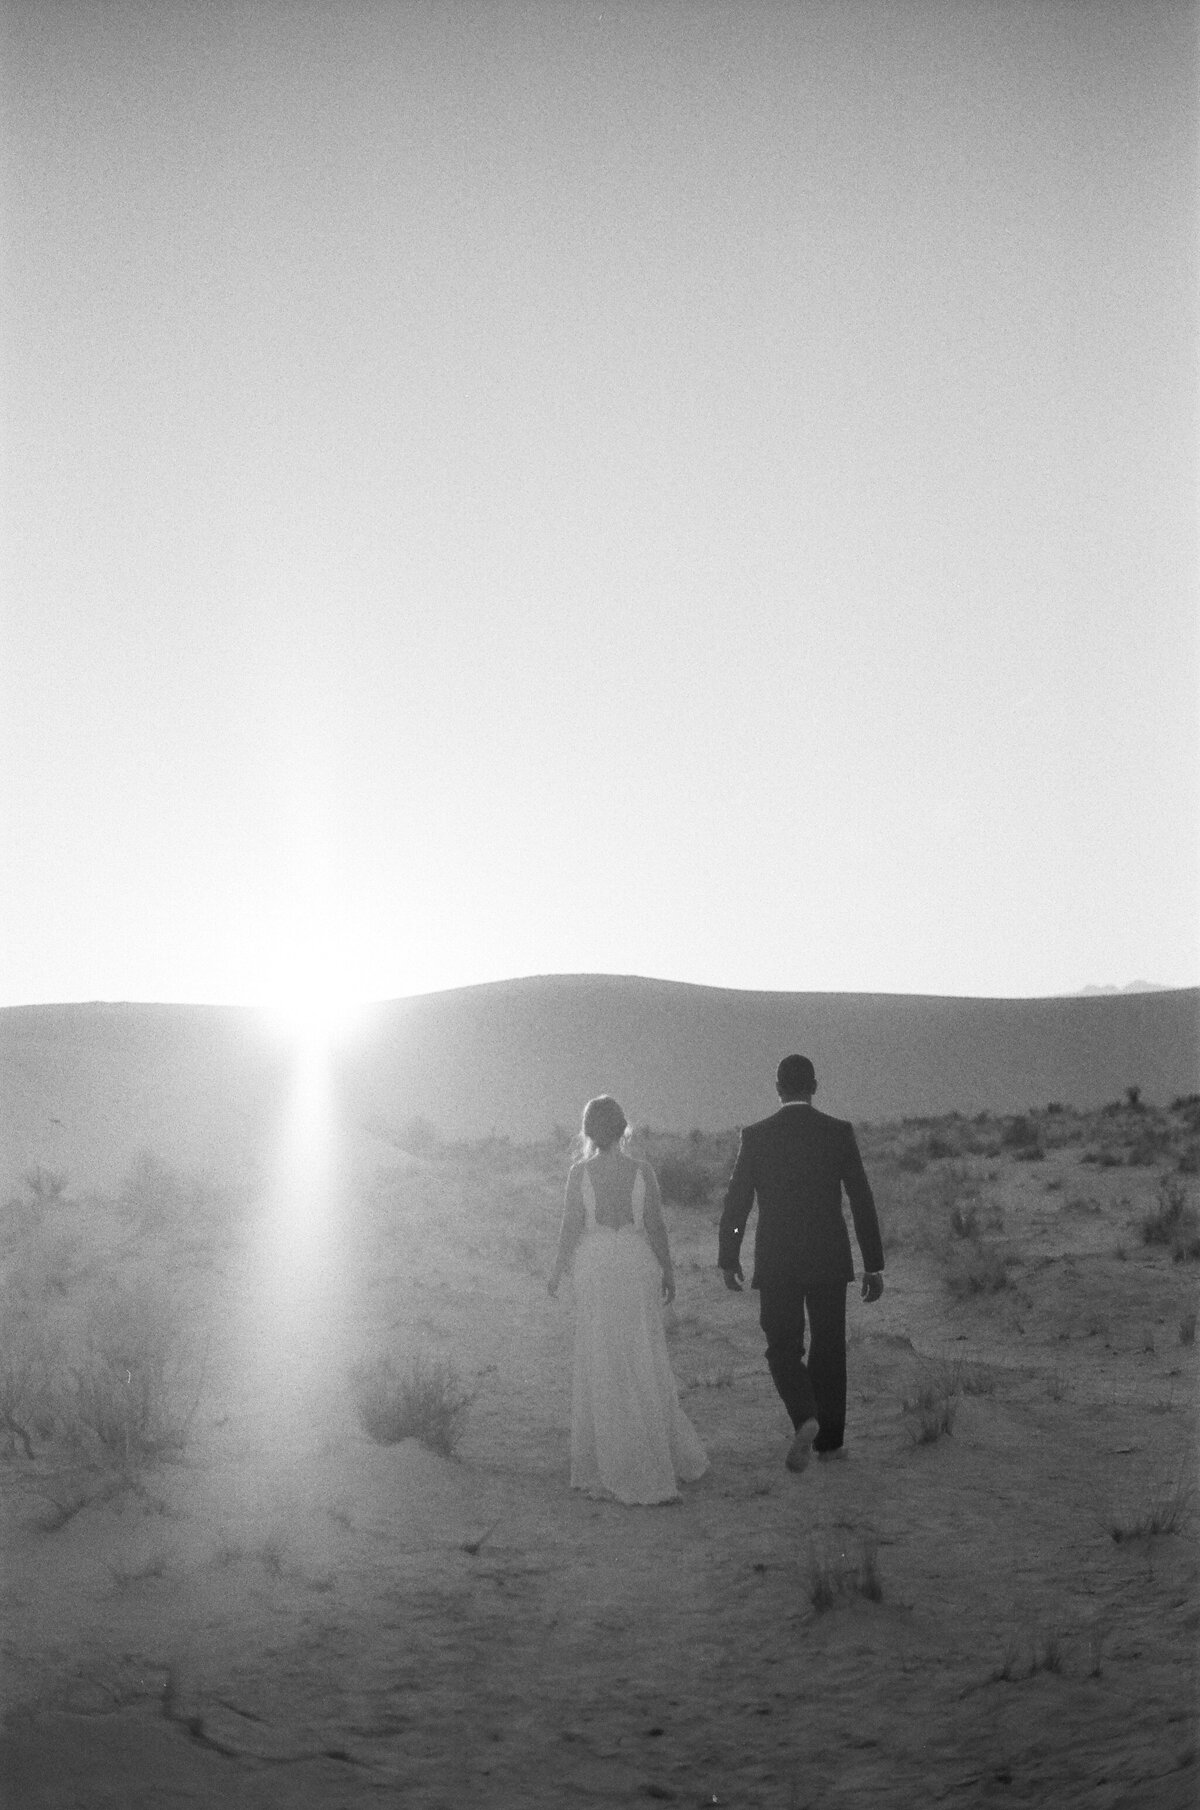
(832,1577)
(933,1406)
(1167,1509)
(975,1268)
(426,1401)
(132,1395)
(45,1184)
(23,1396)
(1174,1221)
(1023,1659)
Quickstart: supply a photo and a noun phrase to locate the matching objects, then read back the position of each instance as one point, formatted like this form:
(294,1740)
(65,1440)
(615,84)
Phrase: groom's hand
(734,1278)
(872,1286)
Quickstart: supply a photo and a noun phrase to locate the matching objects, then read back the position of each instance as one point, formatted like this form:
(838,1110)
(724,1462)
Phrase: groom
(796,1163)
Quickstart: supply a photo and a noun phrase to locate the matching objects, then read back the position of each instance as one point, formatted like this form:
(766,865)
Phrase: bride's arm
(656,1232)
(571,1231)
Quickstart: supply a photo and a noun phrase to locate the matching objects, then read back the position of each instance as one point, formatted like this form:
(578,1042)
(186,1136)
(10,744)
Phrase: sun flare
(312,1019)
(312,1015)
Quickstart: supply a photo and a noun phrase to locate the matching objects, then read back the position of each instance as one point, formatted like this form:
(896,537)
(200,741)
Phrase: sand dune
(84,1087)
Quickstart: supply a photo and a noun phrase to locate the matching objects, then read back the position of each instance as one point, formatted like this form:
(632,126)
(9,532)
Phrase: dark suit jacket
(796,1164)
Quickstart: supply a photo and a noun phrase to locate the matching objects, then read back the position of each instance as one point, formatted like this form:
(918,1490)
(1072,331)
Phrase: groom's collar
(784,1103)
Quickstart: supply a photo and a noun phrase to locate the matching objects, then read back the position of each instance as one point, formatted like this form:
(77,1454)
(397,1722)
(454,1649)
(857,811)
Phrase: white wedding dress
(629,1436)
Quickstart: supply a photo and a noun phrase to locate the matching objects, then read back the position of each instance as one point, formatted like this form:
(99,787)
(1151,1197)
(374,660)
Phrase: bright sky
(704,491)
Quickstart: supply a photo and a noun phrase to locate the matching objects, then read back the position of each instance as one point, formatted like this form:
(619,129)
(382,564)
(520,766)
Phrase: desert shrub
(1152,1142)
(870,1583)
(1106,1156)
(914,1209)
(1174,1221)
(23,1216)
(23,1404)
(1024,1660)
(45,1184)
(938,1146)
(1059,1126)
(834,1576)
(1187,1107)
(156,1198)
(933,1405)
(1166,1509)
(1022,1138)
(39,1245)
(131,1396)
(947,1186)
(976,1268)
(427,1401)
(685,1182)
(1049,1654)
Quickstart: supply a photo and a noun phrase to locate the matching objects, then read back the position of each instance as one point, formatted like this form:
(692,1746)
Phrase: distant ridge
(84,1087)
(1131,986)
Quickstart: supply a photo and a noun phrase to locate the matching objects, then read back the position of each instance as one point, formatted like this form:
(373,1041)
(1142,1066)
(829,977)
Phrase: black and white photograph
(600,924)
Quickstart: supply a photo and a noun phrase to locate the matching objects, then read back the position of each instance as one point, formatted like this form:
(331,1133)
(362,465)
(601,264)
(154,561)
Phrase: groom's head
(795,1078)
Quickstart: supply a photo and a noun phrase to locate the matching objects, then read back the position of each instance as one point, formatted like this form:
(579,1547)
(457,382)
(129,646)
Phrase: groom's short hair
(795,1075)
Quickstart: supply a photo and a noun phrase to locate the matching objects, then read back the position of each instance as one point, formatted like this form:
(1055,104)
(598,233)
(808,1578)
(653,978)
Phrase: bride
(629,1436)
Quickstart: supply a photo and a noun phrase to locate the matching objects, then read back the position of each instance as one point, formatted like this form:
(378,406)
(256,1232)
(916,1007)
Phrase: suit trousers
(816,1388)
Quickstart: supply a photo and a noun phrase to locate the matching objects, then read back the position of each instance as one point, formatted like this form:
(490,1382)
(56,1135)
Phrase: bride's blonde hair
(604,1124)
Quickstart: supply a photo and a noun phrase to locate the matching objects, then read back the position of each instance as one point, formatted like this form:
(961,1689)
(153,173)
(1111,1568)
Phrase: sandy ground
(293,1615)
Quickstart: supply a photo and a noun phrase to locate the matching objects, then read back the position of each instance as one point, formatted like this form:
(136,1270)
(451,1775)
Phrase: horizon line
(1131,989)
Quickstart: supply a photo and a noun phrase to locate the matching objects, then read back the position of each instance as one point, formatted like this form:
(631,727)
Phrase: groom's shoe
(826,1453)
(800,1450)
